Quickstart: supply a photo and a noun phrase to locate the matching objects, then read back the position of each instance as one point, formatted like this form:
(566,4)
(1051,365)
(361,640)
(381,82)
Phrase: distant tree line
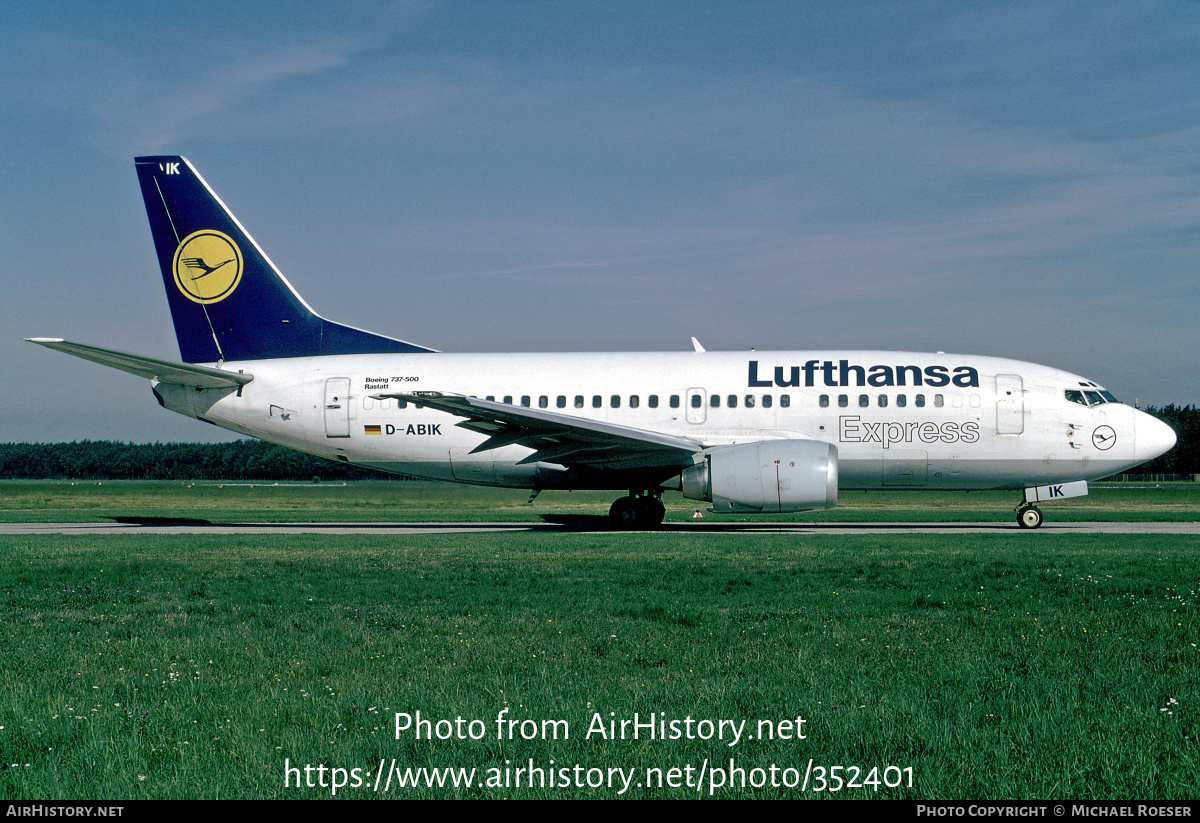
(111,460)
(256,460)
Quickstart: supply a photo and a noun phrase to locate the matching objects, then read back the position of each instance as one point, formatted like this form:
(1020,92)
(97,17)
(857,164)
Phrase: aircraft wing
(164,371)
(558,438)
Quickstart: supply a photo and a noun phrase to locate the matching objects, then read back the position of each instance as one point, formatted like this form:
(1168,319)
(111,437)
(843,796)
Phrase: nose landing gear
(640,510)
(1028,516)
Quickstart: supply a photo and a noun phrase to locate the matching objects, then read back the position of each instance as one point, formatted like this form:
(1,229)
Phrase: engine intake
(767,477)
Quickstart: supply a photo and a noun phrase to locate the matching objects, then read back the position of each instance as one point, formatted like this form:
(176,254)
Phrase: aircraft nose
(1153,437)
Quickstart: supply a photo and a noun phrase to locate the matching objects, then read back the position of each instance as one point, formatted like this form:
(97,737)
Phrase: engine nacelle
(768,477)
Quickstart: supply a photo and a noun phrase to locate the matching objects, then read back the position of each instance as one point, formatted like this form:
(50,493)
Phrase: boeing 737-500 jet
(761,432)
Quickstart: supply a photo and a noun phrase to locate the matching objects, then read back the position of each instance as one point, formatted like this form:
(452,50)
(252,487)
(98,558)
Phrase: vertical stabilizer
(228,300)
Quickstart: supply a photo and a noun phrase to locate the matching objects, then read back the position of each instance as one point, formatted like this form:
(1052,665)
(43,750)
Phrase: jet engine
(767,477)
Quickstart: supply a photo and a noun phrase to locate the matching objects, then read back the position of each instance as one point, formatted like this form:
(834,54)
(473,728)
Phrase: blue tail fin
(227,299)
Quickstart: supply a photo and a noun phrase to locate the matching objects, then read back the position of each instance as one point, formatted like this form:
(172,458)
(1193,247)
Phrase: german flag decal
(372,429)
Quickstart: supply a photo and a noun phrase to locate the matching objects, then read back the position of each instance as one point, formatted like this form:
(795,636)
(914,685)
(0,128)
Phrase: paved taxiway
(589,526)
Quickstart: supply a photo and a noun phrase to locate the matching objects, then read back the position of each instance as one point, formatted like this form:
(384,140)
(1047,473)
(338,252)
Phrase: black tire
(653,512)
(637,512)
(625,512)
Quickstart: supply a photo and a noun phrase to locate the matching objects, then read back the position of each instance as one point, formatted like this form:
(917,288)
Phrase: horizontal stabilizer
(164,371)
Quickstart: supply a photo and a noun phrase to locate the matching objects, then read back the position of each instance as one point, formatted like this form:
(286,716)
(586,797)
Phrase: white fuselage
(898,420)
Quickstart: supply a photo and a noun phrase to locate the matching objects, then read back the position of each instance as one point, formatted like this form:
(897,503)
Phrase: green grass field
(985,667)
(85,501)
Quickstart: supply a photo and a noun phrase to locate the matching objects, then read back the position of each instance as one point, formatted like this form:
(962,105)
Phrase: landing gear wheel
(644,512)
(625,512)
(653,511)
(1028,517)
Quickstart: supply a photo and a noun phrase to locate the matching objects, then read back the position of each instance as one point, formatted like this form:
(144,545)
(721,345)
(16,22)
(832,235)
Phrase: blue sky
(1014,179)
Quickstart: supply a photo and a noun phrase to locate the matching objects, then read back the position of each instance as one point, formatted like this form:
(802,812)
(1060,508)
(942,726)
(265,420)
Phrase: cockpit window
(1089,398)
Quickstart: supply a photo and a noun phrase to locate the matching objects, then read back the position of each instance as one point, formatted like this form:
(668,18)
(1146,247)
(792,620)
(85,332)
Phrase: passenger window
(385,403)
(597,401)
(824,401)
(901,400)
(863,401)
(883,401)
(785,400)
(543,402)
(938,402)
(974,400)
(749,401)
(652,401)
(675,401)
(402,404)
(767,400)
(715,401)
(579,401)
(491,397)
(508,399)
(732,402)
(525,400)
(634,401)
(920,401)
(843,401)
(369,402)
(561,401)
(615,401)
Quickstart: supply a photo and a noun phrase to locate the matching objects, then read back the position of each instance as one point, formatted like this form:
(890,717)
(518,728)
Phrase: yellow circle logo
(208,266)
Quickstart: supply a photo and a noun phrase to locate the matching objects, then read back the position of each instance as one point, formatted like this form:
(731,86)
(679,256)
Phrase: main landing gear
(640,510)
(1028,516)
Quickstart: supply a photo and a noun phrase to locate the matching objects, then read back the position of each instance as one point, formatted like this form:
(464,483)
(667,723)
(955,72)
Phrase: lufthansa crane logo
(208,266)
(1104,437)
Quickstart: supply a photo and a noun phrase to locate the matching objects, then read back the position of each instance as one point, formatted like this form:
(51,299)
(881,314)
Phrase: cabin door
(1010,404)
(337,407)
(697,405)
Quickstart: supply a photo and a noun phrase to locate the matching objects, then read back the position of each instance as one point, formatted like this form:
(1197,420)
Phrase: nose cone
(1153,437)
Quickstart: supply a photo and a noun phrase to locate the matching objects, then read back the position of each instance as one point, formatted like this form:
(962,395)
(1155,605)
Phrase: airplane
(750,432)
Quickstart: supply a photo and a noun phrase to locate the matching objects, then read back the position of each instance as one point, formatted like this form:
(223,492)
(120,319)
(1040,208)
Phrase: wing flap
(558,438)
